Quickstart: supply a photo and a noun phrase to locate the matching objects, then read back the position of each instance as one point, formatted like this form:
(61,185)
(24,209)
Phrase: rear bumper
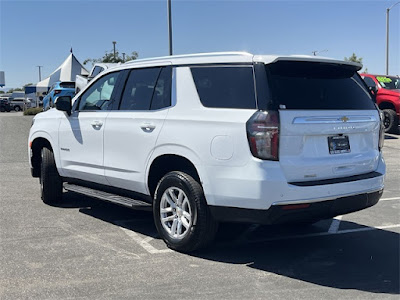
(280,214)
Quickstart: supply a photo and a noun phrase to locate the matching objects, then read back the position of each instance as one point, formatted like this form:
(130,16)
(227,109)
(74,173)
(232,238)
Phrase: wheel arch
(166,163)
(36,145)
(387,105)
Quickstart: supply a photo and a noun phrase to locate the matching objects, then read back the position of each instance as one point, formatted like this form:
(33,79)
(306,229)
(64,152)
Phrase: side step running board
(125,201)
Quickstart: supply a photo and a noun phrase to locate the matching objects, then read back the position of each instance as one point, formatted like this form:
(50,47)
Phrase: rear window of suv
(70,85)
(225,86)
(313,85)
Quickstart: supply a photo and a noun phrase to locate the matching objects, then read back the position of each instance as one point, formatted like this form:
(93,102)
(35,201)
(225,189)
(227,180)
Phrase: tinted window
(388,82)
(96,71)
(162,92)
(139,89)
(369,81)
(98,95)
(225,87)
(309,85)
(70,85)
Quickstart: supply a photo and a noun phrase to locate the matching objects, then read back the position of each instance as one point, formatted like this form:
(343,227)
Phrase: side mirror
(373,89)
(63,103)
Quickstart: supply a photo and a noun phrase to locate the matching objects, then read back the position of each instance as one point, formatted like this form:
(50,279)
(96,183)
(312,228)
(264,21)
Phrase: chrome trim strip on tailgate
(337,180)
(334,120)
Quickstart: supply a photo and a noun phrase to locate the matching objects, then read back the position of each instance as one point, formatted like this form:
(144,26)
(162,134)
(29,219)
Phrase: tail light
(381,131)
(263,134)
(56,92)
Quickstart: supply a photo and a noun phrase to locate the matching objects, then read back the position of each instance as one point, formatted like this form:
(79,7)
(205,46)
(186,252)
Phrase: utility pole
(114,42)
(40,79)
(387,36)
(169,26)
(40,73)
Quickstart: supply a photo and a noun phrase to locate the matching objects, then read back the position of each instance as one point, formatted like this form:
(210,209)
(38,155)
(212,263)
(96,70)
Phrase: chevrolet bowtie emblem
(344,119)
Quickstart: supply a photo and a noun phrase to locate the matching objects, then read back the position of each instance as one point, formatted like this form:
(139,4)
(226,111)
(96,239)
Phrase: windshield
(315,85)
(389,82)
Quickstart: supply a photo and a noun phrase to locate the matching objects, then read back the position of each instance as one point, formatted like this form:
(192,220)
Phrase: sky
(34,33)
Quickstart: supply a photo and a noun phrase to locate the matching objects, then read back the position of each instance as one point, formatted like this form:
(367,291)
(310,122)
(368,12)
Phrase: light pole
(40,74)
(169,26)
(114,42)
(387,36)
(123,57)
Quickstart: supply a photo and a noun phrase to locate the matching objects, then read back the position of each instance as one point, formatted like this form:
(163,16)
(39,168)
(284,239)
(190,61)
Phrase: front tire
(50,180)
(390,121)
(17,108)
(181,214)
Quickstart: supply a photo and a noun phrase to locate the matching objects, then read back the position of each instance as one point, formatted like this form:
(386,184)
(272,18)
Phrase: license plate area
(338,144)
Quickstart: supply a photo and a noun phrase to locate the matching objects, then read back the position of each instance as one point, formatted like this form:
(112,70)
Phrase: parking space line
(97,241)
(324,233)
(143,242)
(390,199)
(335,224)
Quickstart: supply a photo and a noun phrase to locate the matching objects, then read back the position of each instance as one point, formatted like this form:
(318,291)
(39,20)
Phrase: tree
(15,90)
(354,58)
(109,58)
(21,89)
(2,92)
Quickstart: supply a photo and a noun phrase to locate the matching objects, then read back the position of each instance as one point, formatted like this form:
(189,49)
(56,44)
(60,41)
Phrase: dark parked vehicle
(5,105)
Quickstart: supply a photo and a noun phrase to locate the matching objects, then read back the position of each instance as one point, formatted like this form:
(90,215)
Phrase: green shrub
(32,111)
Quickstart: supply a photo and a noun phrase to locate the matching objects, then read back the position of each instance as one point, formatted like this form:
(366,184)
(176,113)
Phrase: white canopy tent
(67,71)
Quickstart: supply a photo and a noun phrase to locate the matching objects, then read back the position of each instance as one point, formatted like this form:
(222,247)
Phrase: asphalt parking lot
(87,249)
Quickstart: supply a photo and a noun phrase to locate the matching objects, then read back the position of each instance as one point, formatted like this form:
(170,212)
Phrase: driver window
(98,96)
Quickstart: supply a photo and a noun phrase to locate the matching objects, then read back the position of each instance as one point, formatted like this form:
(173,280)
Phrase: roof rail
(195,55)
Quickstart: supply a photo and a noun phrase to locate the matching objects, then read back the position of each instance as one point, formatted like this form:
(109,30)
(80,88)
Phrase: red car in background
(387,91)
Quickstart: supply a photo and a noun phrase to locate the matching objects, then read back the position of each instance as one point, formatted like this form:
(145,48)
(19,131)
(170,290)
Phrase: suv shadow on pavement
(391,137)
(365,261)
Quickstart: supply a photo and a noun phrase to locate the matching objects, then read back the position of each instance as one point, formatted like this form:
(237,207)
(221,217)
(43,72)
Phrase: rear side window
(70,85)
(311,85)
(225,87)
(162,93)
(139,89)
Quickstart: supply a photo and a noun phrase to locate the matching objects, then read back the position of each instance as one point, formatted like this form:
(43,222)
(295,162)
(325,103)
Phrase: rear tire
(50,180)
(391,121)
(181,214)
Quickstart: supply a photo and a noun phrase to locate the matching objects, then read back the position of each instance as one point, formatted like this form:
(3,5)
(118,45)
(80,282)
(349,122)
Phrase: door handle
(148,127)
(97,124)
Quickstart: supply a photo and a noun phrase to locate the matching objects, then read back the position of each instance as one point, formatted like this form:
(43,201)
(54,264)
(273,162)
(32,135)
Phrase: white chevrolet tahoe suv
(218,137)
